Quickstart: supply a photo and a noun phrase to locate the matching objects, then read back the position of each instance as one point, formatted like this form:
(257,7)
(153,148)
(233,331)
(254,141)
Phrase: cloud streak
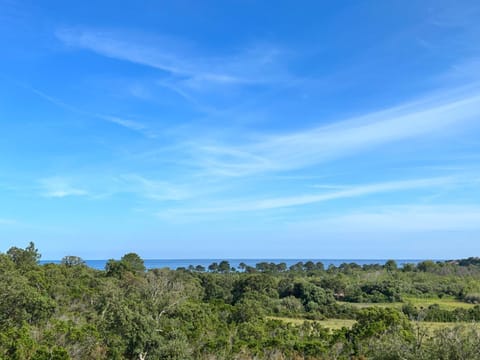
(301,200)
(128,124)
(59,187)
(102,186)
(253,66)
(125,123)
(324,143)
(400,219)
(153,189)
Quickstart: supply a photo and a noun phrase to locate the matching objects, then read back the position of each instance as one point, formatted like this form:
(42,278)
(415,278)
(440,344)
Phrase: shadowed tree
(24,258)
(224,266)
(213,267)
(129,263)
(391,265)
(133,262)
(70,261)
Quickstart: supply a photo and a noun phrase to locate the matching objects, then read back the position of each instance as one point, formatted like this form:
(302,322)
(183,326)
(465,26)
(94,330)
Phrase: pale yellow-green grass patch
(332,324)
(335,324)
(446,303)
(396,305)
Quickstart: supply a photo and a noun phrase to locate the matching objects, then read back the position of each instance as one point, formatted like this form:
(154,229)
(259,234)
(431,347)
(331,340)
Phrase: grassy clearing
(432,327)
(295,321)
(396,305)
(444,303)
(332,324)
(335,324)
(444,325)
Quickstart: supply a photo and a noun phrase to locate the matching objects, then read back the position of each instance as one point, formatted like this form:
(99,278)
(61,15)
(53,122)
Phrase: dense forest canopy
(269,311)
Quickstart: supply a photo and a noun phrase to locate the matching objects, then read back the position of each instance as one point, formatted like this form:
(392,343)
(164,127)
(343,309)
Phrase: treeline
(456,267)
(71,311)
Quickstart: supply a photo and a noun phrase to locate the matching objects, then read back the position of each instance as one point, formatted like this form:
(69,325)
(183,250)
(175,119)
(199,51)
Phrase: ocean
(185,263)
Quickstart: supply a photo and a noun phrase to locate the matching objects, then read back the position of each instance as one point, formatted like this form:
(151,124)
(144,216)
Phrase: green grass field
(443,325)
(335,324)
(444,303)
(396,305)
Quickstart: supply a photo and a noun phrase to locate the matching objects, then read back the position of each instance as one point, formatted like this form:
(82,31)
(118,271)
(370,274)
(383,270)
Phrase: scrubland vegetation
(71,311)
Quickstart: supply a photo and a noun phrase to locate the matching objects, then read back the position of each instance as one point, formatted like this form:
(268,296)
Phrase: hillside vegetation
(71,311)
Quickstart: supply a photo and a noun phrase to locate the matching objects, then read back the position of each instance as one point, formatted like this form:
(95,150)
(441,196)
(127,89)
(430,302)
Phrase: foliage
(70,311)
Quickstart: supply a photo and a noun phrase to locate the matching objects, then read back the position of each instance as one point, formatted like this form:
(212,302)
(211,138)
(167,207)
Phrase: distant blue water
(177,263)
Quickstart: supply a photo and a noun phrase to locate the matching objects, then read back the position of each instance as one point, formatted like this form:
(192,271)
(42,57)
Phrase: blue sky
(210,129)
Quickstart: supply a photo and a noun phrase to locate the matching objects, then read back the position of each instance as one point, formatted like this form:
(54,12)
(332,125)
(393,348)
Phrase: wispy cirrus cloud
(399,219)
(421,119)
(257,64)
(125,123)
(306,199)
(128,124)
(102,186)
(158,190)
(60,187)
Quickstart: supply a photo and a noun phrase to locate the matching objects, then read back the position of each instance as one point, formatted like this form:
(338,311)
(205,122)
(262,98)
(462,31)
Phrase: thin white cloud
(307,199)
(399,219)
(253,66)
(59,187)
(351,192)
(466,71)
(153,189)
(128,124)
(125,123)
(301,149)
